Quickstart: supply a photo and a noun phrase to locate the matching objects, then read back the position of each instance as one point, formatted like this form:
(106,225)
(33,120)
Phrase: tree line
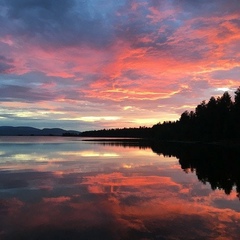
(217,119)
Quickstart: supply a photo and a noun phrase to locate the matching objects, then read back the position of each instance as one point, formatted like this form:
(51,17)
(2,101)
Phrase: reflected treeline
(217,165)
(137,143)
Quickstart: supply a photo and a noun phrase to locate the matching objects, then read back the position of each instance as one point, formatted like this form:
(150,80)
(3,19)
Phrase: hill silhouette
(30,131)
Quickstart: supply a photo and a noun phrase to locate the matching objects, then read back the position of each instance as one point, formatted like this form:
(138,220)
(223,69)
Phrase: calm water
(66,188)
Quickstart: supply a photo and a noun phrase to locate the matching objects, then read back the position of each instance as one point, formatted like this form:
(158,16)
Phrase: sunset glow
(96,64)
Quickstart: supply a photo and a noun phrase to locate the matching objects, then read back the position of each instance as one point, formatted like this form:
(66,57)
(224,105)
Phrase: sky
(93,64)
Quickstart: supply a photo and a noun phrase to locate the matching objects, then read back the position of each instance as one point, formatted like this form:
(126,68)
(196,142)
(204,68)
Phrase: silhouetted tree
(218,119)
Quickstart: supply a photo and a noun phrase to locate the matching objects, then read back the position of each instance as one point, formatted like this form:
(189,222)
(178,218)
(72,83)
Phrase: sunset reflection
(111,196)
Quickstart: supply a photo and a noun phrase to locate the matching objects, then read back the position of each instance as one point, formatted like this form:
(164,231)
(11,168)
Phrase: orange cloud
(158,55)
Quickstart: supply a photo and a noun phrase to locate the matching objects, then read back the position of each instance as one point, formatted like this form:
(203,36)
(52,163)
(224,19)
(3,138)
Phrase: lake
(69,188)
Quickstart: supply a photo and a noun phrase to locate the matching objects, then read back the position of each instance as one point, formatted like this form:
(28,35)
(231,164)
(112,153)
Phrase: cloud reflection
(151,199)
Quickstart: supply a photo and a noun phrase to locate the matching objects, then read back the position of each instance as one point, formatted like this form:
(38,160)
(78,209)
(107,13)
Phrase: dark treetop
(215,120)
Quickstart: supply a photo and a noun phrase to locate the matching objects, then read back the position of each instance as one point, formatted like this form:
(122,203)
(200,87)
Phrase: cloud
(23,93)
(59,23)
(6,65)
(229,74)
(150,55)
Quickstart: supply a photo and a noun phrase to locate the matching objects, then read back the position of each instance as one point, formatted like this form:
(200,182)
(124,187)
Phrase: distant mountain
(30,131)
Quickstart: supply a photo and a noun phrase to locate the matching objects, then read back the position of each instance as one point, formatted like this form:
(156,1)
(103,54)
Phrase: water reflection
(79,190)
(217,165)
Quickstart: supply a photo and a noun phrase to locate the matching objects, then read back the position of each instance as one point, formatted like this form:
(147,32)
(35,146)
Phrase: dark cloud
(205,8)
(23,9)
(98,23)
(5,68)
(233,74)
(59,23)
(10,179)
(6,64)
(133,200)
(8,60)
(199,85)
(226,204)
(27,94)
(133,75)
(236,22)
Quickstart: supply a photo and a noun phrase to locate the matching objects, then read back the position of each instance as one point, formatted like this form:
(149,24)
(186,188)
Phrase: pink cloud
(153,54)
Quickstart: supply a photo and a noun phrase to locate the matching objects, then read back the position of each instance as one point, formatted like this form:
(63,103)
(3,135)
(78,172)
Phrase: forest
(217,119)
